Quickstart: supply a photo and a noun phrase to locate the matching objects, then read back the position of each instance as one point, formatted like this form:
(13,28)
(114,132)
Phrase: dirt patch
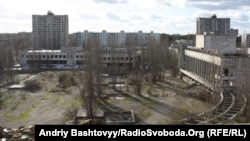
(48,105)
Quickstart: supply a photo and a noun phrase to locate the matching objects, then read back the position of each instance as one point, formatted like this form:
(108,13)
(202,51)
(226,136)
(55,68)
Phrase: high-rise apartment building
(214,25)
(49,31)
(115,39)
(245,40)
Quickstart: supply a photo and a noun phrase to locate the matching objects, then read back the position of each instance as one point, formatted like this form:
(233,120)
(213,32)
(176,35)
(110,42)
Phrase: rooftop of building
(202,50)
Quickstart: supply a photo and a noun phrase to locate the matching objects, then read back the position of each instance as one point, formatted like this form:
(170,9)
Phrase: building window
(121,58)
(81,56)
(226,71)
(43,56)
(104,58)
(64,56)
(55,56)
(51,56)
(77,56)
(126,58)
(60,56)
(27,56)
(225,83)
(47,56)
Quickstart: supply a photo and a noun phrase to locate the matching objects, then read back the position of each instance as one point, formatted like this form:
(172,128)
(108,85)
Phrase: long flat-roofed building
(214,61)
(76,57)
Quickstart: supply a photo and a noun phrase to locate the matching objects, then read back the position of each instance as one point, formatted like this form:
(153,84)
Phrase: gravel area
(46,106)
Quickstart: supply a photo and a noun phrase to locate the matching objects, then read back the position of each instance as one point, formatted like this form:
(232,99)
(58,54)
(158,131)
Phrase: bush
(149,90)
(66,79)
(32,85)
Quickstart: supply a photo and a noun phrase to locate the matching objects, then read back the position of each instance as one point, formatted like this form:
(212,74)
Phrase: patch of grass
(149,91)
(67,105)
(240,119)
(185,109)
(24,115)
(13,108)
(78,102)
(146,115)
(47,96)
(165,121)
(58,99)
(150,105)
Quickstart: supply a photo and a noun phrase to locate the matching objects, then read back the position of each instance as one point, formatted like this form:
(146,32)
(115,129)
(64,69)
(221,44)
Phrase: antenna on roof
(50,13)
(214,16)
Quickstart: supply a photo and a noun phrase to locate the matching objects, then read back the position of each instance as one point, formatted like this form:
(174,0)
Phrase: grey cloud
(113,16)
(219,4)
(89,16)
(135,17)
(155,17)
(168,4)
(111,1)
(243,17)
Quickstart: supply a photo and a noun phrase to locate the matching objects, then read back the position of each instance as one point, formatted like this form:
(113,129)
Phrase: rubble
(23,133)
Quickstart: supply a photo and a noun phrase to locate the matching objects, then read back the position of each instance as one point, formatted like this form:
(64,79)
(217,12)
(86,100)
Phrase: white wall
(222,44)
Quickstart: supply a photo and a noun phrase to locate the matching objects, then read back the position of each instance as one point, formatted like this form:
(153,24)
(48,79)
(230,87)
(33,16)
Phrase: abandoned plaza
(117,78)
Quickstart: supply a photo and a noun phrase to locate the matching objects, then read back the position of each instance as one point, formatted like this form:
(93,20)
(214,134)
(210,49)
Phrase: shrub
(32,85)
(149,90)
(66,79)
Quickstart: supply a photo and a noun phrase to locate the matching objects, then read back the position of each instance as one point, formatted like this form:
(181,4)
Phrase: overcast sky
(160,16)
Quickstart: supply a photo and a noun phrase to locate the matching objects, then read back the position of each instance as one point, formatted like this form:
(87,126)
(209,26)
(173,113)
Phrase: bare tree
(136,77)
(6,61)
(91,85)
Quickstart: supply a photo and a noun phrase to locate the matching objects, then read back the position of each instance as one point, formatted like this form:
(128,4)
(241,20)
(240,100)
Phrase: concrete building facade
(219,72)
(49,31)
(214,61)
(245,40)
(115,39)
(216,43)
(217,26)
(76,57)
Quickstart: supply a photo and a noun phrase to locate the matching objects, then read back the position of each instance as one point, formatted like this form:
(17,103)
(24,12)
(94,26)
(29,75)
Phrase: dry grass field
(161,103)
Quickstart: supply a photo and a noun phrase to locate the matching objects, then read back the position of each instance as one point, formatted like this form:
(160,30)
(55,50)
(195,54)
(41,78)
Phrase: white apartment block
(49,31)
(217,26)
(115,39)
(245,40)
(216,43)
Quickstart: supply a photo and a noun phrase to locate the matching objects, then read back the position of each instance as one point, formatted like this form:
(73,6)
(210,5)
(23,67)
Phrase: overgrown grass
(58,99)
(77,102)
(13,108)
(24,115)
(146,115)
(47,96)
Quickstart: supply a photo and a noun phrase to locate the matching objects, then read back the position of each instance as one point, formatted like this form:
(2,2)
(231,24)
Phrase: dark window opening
(226,71)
